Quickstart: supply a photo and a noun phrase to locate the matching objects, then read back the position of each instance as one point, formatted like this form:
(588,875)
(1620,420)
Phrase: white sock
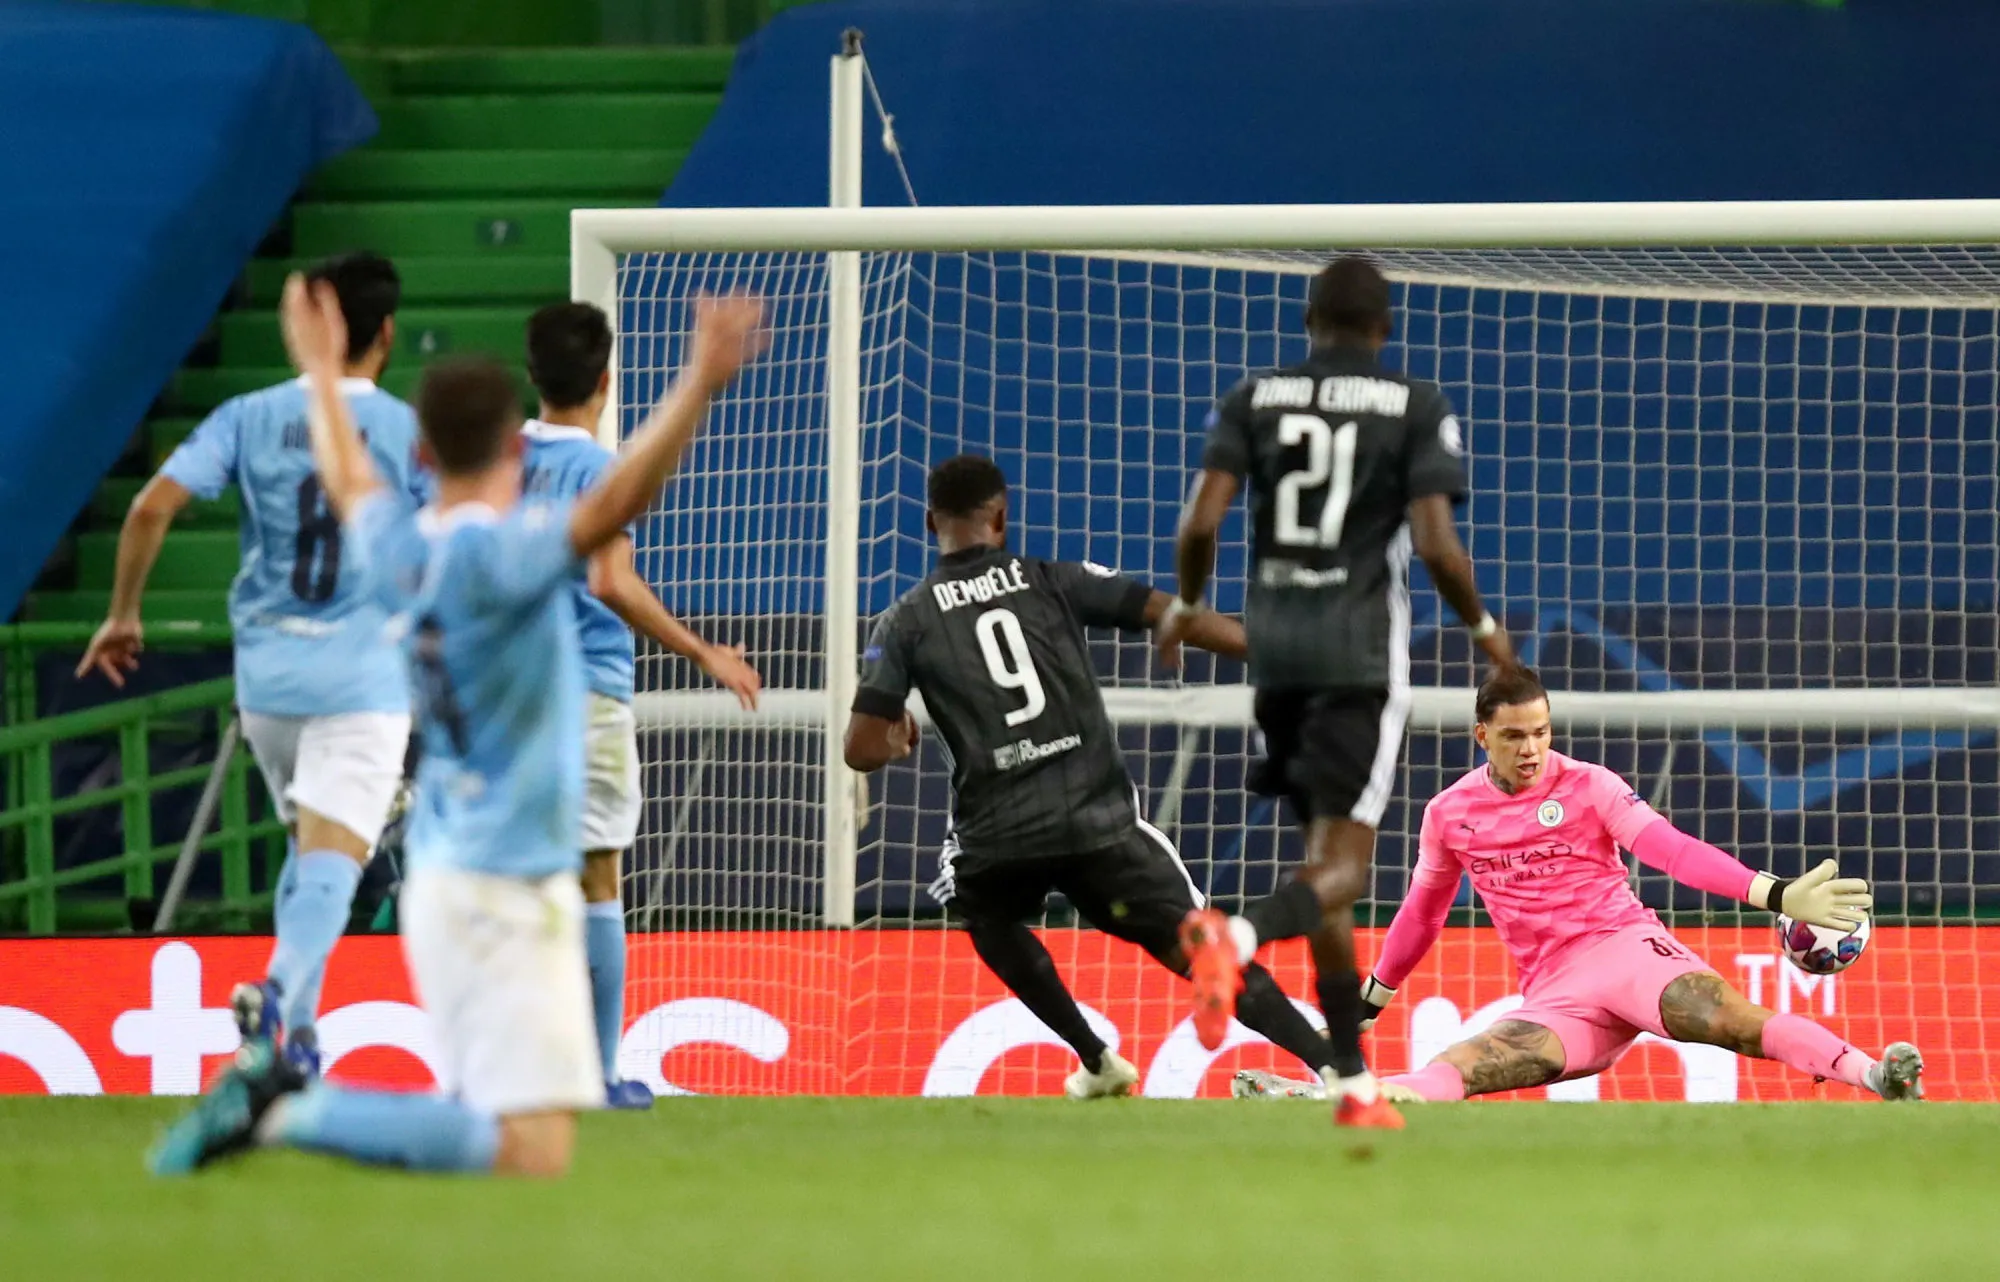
(1245,937)
(1361,1087)
(272,1125)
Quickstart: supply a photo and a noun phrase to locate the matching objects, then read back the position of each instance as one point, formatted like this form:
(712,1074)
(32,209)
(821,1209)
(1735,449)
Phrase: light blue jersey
(492,651)
(563,462)
(310,641)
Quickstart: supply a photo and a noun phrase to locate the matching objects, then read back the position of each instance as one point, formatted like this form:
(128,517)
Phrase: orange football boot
(1217,975)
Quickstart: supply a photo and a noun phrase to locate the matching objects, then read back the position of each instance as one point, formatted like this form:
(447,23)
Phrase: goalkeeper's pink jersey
(1544,861)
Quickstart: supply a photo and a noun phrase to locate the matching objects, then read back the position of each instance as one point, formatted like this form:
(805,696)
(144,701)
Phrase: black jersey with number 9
(994,642)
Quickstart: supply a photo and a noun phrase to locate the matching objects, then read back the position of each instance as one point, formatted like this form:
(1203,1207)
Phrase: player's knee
(537,1145)
(600,876)
(314,831)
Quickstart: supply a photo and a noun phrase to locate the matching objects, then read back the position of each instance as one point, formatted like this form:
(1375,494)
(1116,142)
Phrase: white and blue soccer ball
(1821,950)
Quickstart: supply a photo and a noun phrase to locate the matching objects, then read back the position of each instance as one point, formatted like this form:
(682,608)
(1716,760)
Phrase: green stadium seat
(159,607)
(202,560)
(115,494)
(252,338)
(577,71)
(164,435)
(636,175)
(400,229)
(531,279)
(547,121)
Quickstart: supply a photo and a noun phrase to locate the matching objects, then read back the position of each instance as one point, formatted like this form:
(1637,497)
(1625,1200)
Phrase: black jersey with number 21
(1333,450)
(994,642)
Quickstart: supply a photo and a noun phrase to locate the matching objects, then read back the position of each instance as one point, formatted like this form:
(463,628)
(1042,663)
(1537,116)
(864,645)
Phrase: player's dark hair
(369,290)
(1350,295)
(569,348)
(963,484)
(1506,688)
(468,408)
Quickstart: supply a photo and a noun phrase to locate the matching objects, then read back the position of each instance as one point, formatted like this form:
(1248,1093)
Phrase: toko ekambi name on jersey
(999,581)
(1342,394)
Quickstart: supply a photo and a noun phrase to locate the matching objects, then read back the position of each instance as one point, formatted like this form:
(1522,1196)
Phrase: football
(1821,950)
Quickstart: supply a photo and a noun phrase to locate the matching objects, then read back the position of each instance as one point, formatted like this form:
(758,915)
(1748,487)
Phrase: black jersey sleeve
(1228,448)
(885,669)
(1433,447)
(1099,596)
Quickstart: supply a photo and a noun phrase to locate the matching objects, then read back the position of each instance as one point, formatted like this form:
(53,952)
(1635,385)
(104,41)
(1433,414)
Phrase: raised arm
(614,581)
(316,336)
(728,331)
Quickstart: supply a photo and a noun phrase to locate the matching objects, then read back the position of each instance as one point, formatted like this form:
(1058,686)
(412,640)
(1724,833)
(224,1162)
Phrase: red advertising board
(913,1012)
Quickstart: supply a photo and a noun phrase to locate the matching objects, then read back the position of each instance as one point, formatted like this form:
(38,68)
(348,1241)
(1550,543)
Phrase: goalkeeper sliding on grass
(1540,834)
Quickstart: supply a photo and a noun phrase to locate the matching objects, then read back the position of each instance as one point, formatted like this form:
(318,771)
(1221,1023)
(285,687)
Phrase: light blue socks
(315,895)
(604,947)
(386,1128)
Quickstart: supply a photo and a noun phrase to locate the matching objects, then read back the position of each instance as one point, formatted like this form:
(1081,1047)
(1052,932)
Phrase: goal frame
(844,231)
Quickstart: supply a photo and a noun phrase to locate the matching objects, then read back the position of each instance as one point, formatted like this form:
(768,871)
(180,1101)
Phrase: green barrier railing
(21,642)
(29,878)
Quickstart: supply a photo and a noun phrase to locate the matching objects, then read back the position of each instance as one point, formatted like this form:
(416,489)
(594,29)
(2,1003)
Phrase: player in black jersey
(994,642)
(1345,461)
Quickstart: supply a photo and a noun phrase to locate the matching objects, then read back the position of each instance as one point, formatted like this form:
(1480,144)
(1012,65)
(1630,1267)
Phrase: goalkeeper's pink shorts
(1599,998)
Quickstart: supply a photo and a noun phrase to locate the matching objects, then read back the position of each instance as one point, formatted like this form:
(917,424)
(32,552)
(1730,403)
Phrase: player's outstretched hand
(726,666)
(1824,898)
(315,330)
(728,332)
(114,651)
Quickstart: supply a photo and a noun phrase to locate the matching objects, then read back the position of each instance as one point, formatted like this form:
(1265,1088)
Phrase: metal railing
(30,880)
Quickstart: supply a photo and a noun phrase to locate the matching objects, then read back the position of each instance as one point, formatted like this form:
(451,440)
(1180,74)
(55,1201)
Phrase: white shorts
(611,796)
(346,767)
(499,967)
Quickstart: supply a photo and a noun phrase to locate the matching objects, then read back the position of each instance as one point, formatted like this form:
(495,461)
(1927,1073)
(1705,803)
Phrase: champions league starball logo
(1549,814)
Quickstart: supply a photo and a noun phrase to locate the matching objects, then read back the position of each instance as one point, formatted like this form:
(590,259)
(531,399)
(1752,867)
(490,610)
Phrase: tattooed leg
(1509,1056)
(1701,1007)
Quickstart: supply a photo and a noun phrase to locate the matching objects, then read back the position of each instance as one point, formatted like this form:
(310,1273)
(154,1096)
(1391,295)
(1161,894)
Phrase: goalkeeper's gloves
(1817,896)
(1375,998)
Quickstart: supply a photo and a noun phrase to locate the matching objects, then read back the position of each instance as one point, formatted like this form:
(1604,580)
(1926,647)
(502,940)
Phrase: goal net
(1735,503)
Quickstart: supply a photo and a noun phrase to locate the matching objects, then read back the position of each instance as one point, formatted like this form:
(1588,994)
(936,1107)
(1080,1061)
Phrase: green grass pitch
(1114,1191)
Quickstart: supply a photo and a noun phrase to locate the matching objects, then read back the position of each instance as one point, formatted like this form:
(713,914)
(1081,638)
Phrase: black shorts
(1136,890)
(1333,752)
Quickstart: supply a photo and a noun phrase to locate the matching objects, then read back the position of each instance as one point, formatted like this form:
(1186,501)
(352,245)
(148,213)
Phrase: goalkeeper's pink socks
(1804,1045)
(1438,1082)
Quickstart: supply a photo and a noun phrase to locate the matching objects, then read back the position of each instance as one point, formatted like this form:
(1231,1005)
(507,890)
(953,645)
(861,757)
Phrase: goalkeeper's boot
(1899,1075)
(1216,972)
(255,1008)
(1255,1083)
(1115,1075)
(224,1120)
(626,1095)
(1375,1112)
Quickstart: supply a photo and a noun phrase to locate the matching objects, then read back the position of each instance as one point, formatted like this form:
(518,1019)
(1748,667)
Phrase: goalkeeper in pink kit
(1540,834)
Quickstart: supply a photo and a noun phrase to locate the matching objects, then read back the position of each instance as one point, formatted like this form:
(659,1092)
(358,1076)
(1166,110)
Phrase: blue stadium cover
(148,151)
(1017,102)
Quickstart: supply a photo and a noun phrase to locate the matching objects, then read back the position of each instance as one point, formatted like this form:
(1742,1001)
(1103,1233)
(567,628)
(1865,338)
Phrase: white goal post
(1857,254)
